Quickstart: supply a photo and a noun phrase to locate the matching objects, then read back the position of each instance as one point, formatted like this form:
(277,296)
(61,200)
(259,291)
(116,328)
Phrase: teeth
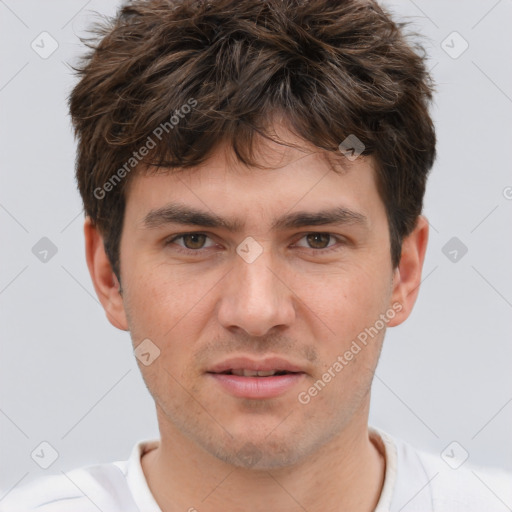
(267,373)
(253,373)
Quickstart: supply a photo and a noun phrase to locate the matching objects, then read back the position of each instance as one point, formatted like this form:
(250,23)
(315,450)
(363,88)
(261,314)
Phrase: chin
(259,457)
(259,452)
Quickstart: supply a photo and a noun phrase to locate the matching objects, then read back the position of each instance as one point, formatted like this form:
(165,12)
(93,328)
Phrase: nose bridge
(256,282)
(254,299)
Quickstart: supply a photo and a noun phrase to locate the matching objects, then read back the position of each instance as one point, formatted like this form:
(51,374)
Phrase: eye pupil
(318,240)
(194,240)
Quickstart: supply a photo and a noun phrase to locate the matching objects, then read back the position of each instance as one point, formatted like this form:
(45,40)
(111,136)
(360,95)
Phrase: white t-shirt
(414,482)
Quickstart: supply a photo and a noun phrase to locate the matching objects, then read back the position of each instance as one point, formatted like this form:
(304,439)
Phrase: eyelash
(194,252)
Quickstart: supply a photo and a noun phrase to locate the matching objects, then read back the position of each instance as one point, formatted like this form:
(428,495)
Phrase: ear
(105,281)
(407,277)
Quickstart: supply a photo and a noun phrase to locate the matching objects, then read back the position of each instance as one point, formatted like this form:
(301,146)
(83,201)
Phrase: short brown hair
(332,68)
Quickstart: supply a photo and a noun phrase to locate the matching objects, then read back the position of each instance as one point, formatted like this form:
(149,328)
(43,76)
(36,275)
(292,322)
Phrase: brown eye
(191,242)
(318,240)
(194,240)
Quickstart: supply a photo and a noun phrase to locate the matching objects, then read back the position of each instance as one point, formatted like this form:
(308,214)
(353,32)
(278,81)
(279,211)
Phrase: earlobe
(104,280)
(407,277)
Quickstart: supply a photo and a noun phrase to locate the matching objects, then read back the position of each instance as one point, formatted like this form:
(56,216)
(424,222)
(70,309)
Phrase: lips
(247,365)
(244,377)
(255,373)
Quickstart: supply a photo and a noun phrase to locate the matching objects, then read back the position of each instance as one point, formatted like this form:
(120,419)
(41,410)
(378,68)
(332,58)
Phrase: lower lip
(257,387)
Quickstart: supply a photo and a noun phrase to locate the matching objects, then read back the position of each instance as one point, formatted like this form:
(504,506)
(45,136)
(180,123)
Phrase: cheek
(172,311)
(342,303)
(162,298)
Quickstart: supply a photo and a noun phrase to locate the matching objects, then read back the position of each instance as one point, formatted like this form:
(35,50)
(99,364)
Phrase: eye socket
(191,241)
(318,241)
(195,242)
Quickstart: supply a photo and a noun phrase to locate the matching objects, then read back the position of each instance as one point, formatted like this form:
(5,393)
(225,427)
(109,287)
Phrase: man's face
(293,297)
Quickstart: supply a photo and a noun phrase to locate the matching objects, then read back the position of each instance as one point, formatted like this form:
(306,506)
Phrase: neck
(346,473)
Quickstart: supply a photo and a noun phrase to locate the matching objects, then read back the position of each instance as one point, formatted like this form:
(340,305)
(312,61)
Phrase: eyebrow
(179,214)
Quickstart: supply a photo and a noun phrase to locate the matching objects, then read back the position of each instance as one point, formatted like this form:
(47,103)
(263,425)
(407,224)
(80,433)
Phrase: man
(253,175)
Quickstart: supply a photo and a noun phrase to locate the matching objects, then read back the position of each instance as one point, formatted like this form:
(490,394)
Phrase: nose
(256,297)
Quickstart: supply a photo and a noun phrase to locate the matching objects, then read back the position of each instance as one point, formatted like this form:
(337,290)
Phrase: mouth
(254,373)
(249,378)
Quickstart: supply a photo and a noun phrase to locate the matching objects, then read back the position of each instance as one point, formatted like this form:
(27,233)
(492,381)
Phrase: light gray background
(69,378)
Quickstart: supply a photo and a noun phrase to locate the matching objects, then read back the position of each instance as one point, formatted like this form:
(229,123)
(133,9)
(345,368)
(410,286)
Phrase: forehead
(288,179)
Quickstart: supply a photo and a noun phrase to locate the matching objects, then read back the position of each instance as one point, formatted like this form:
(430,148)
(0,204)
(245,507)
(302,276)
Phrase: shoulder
(469,487)
(450,482)
(80,490)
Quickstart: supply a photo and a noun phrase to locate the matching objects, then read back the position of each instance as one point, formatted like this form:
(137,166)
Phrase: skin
(297,300)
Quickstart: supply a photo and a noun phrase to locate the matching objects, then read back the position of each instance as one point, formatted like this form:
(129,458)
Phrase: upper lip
(247,363)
